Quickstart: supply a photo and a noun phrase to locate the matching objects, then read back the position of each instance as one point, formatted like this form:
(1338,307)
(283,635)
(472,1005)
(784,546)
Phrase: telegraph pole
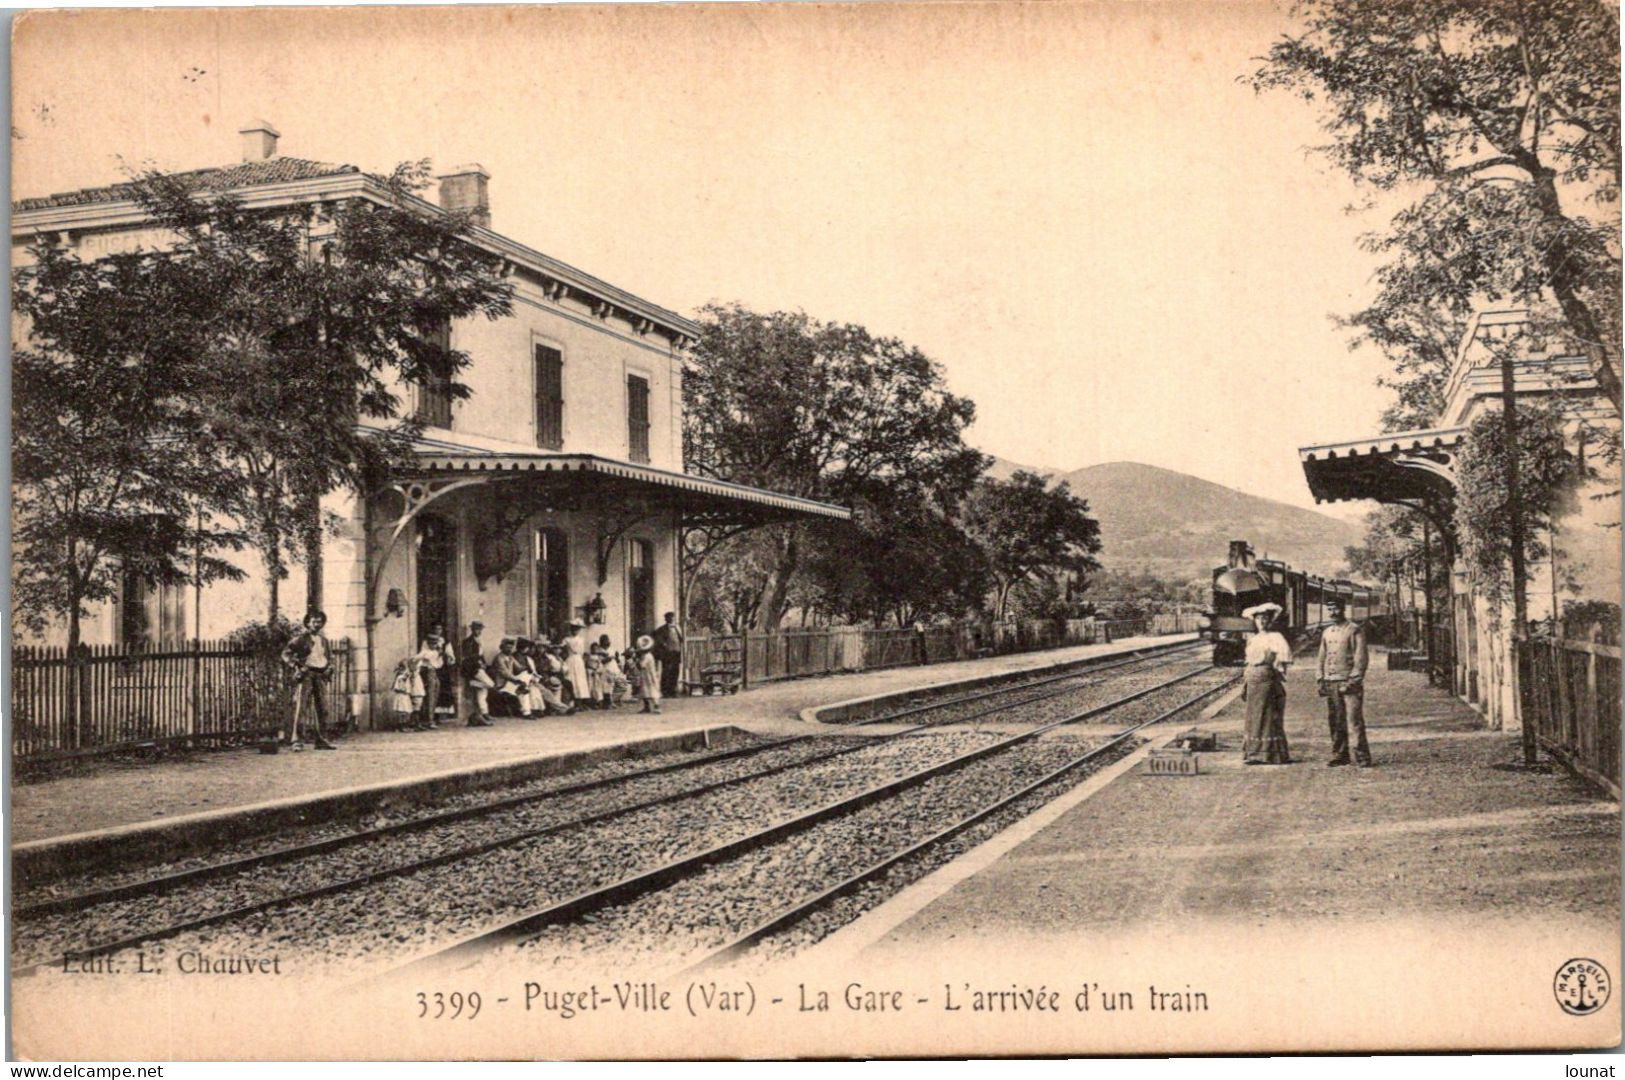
(1520,580)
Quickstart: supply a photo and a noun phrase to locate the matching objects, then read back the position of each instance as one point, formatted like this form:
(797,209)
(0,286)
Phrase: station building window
(637,417)
(549,398)
(433,407)
(150,614)
(640,585)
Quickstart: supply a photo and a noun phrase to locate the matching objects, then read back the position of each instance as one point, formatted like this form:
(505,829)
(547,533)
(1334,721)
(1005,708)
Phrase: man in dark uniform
(1343,662)
(669,653)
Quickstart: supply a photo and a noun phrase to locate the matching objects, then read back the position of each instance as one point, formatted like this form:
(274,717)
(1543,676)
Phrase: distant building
(1418,469)
(558,483)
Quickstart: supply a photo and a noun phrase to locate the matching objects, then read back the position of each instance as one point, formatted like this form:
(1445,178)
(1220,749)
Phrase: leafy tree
(107,479)
(1503,117)
(1548,477)
(1419,338)
(903,559)
(827,411)
(310,318)
(1025,527)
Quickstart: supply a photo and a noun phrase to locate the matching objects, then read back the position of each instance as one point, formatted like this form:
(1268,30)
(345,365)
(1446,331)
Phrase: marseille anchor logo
(1582,986)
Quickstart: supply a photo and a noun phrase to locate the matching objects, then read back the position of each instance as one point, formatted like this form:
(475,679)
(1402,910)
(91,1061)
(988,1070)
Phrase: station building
(555,491)
(1418,469)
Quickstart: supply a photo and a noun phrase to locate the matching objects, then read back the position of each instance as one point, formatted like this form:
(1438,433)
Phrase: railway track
(57,902)
(139,929)
(530,929)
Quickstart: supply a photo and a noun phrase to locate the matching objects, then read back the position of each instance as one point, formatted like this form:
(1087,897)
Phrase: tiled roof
(247,174)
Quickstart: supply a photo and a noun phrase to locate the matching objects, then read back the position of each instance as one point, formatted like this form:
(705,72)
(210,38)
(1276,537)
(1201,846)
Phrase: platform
(99,796)
(1444,832)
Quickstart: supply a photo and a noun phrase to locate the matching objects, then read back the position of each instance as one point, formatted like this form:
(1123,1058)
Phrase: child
(597,683)
(406,695)
(648,675)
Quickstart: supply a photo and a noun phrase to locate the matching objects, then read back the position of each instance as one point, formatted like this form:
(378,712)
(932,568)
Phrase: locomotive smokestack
(1241,555)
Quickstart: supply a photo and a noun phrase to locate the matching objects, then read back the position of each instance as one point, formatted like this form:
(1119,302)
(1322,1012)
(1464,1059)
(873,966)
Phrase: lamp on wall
(593,611)
(395,603)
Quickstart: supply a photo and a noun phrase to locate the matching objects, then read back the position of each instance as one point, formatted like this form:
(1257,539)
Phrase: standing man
(475,676)
(307,654)
(1343,662)
(669,653)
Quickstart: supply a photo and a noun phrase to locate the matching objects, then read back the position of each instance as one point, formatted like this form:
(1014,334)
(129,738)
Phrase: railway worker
(648,669)
(1268,655)
(669,652)
(307,654)
(1341,671)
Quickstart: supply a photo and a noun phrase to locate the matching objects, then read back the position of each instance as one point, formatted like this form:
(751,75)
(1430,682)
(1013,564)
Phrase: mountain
(1176,525)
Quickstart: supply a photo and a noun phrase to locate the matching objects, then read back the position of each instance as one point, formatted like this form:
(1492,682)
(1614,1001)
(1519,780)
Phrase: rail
(1571,696)
(108,698)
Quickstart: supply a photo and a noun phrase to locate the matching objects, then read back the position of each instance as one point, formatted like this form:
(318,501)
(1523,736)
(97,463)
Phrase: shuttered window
(434,396)
(637,417)
(549,398)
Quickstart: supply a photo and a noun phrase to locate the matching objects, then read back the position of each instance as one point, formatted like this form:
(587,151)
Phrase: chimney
(464,189)
(259,140)
(1241,555)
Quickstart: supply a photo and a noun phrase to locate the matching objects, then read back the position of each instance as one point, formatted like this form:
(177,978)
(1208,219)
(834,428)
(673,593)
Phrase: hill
(1176,525)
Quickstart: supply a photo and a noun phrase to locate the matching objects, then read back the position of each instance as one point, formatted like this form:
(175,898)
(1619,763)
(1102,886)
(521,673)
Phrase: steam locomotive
(1244,582)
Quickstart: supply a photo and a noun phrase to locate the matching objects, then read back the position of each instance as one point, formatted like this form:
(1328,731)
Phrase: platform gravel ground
(1439,828)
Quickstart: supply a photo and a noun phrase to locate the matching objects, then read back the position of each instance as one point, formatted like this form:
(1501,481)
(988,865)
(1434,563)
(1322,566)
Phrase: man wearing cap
(669,653)
(1343,662)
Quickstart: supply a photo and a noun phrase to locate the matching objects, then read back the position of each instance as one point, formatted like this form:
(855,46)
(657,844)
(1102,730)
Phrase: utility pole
(1427,597)
(1520,579)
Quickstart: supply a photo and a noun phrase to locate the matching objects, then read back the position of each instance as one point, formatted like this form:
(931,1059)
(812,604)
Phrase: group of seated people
(524,678)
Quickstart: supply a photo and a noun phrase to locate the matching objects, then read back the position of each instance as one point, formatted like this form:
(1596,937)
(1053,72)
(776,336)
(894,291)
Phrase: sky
(1109,242)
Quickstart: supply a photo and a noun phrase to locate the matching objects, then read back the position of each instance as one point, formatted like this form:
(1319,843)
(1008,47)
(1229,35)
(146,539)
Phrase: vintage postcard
(815,530)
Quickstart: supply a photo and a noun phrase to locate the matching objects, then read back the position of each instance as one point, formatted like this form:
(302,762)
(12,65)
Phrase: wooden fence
(1571,696)
(110,698)
(761,656)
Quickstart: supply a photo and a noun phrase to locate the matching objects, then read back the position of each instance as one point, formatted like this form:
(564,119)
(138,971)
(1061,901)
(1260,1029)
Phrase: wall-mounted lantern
(395,603)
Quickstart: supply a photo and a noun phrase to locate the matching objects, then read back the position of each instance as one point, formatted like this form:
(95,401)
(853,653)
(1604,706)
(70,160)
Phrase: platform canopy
(590,482)
(1405,467)
(1409,468)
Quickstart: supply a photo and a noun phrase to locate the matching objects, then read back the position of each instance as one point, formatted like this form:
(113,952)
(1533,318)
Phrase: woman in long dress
(575,665)
(1268,656)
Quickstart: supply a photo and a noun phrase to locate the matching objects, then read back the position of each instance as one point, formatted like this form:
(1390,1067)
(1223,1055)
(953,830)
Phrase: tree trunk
(775,600)
(1562,262)
(75,672)
(311,527)
(273,592)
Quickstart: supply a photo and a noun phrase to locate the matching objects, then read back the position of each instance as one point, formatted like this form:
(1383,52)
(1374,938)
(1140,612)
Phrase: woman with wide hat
(1267,657)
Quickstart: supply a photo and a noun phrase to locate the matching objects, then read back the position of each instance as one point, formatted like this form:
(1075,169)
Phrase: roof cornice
(559,278)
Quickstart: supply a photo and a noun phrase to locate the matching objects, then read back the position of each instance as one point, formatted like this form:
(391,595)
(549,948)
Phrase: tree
(904,558)
(1549,475)
(310,316)
(1419,338)
(107,479)
(1503,115)
(826,411)
(1025,527)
